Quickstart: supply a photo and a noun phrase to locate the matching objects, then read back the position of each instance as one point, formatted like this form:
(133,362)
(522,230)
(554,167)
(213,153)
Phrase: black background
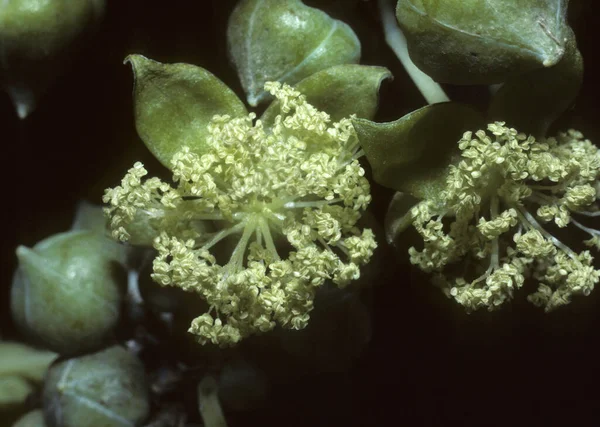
(428,363)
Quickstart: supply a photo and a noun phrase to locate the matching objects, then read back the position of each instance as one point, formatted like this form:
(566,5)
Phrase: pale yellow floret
(534,244)
(499,225)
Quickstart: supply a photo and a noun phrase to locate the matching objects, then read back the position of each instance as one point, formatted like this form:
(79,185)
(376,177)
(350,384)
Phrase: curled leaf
(286,41)
(340,91)
(483,42)
(173,104)
(412,153)
(532,101)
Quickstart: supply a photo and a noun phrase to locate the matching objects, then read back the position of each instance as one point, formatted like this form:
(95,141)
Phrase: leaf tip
(138,62)
(130,59)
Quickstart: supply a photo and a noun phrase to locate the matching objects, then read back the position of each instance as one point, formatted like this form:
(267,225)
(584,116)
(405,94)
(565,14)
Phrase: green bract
(287,199)
(107,388)
(36,38)
(411,154)
(482,42)
(488,217)
(340,91)
(65,294)
(286,41)
(173,103)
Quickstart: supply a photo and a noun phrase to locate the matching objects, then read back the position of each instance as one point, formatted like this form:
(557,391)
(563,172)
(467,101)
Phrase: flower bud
(107,388)
(66,293)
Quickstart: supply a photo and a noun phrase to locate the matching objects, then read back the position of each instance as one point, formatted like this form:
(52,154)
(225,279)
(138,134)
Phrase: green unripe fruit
(103,389)
(67,293)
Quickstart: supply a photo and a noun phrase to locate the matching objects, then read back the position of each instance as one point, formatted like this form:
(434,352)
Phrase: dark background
(428,363)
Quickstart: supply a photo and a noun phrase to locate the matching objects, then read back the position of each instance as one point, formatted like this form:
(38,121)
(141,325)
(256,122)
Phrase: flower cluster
(284,199)
(484,219)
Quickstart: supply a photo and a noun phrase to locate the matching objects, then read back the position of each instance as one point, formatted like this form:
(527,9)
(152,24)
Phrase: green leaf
(340,91)
(173,104)
(286,41)
(531,102)
(412,153)
(483,41)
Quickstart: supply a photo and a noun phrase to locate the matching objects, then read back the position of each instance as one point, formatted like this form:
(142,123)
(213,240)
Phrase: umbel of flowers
(290,194)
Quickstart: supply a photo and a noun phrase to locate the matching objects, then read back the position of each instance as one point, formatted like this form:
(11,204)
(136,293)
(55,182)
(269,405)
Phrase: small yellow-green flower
(501,178)
(288,196)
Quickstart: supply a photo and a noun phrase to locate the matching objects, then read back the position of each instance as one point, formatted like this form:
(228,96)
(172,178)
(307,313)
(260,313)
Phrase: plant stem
(208,403)
(431,91)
